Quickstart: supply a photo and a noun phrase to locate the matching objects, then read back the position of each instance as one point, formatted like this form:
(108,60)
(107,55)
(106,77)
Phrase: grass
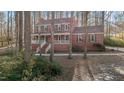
(115,42)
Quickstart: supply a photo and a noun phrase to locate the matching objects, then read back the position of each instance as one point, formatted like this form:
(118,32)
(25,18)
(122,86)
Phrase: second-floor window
(42,28)
(56,27)
(66,27)
(61,27)
(46,28)
(37,28)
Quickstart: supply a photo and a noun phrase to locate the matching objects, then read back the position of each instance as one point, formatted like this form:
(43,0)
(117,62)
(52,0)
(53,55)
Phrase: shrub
(39,69)
(99,47)
(115,42)
(76,48)
(46,68)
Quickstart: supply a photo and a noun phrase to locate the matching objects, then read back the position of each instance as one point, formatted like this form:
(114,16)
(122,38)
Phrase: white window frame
(59,26)
(46,26)
(41,29)
(66,27)
(92,38)
(80,36)
(37,28)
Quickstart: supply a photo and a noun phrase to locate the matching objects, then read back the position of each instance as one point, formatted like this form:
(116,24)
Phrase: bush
(39,69)
(76,48)
(114,42)
(45,68)
(99,47)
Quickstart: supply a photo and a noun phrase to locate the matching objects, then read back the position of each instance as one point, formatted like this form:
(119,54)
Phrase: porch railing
(48,48)
(37,41)
(61,41)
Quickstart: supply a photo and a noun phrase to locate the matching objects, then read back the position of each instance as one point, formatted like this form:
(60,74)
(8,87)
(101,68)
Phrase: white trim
(50,34)
(88,33)
(59,40)
(62,23)
(61,33)
(43,24)
(41,34)
(65,33)
(92,36)
(79,36)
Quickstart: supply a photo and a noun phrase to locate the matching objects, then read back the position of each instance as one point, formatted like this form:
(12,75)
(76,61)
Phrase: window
(59,27)
(62,27)
(92,38)
(35,37)
(66,27)
(46,28)
(56,27)
(37,28)
(66,37)
(80,38)
(42,28)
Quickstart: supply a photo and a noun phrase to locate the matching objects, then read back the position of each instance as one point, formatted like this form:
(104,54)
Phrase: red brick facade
(62,35)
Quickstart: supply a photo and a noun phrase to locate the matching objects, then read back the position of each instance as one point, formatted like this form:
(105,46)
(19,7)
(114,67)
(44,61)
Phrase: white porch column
(45,38)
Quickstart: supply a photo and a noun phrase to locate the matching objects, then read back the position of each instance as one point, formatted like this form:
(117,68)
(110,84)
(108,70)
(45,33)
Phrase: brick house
(41,37)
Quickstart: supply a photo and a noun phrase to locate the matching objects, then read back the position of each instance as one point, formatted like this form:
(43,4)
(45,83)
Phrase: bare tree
(17,30)
(20,30)
(70,38)
(52,37)
(8,31)
(11,27)
(27,36)
(86,32)
(1,26)
(34,20)
(96,18)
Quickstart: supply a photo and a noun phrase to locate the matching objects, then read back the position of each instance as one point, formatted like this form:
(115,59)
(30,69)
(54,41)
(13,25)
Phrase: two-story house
(63,28)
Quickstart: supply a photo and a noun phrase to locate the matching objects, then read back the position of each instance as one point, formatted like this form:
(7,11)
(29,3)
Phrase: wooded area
(16,28)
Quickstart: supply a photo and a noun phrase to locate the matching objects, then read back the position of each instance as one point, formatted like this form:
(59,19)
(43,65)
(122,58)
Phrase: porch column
(45,38)
(39,39)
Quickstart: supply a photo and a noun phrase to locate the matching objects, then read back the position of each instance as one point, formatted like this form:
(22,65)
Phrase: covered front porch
(58,39)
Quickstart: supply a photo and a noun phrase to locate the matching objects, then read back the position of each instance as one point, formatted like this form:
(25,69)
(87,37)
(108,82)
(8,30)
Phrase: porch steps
(40,47)
(44,48)
(48,48)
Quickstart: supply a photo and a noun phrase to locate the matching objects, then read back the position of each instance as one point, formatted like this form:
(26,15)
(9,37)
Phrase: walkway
(81,54)
(82,72)
(116,48)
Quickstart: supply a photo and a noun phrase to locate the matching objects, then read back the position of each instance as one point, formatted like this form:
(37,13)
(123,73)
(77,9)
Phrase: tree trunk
(27,37)
(96,18)
(86,33)
(20,30)
(11,30)
(16,30)
(103,19)
(8,36)
(70,38)
(52,38)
